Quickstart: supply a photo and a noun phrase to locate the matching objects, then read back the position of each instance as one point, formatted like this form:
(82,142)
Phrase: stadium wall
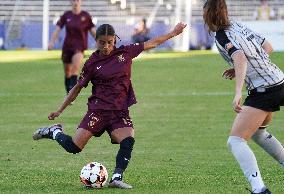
(31,36)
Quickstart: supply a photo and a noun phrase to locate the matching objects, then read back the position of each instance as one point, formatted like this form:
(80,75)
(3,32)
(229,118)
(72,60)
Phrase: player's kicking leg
(55,132)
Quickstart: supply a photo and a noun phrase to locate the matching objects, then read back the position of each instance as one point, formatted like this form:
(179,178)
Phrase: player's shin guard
(67,143)
(270,144)
(123,157)
(247,162)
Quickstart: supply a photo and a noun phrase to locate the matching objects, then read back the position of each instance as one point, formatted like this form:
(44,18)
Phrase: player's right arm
(54,38)
(74,92)
(240,66)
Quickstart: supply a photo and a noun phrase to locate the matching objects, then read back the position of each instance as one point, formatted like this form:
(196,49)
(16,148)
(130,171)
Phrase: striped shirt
(261,72)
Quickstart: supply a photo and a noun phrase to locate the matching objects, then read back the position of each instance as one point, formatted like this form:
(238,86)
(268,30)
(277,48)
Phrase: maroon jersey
(77,27)
(110,76)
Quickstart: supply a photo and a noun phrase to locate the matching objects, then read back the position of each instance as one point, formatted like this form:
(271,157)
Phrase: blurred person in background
(77,24)
(264,11)
(141,32)
(247,53)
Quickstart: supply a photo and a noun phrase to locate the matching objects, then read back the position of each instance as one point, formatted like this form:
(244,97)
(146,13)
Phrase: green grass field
(182,121)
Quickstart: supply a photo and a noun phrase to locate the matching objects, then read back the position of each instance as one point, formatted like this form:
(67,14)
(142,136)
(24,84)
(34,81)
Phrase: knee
(127,143)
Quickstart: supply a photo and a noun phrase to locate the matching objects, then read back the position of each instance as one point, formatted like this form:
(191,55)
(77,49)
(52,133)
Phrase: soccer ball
(94,175)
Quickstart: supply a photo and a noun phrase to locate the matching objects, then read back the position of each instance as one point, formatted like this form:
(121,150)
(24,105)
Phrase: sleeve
(135,49)
(86,74)
(62,21)
(230,45)
(259,38)
(90,22)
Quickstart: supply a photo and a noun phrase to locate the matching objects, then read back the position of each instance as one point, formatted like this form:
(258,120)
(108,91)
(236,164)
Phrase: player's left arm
(153,43)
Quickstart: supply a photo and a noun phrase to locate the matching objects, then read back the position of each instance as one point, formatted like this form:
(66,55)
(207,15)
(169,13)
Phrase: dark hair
(105,30)
(215,15)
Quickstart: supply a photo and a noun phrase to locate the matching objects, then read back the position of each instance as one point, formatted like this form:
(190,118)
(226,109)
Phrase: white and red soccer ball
(94,175)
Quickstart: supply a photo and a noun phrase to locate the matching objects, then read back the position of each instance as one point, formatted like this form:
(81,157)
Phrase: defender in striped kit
(248,55)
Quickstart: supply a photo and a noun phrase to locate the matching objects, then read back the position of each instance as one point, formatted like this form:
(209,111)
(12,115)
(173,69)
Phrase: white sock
(247,162)
(270,144)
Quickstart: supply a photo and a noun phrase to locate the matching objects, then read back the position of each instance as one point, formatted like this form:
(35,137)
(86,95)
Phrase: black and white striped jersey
(261,72)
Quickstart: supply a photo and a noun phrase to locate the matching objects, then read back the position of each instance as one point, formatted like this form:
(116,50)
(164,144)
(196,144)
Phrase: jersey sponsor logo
(228,46)
(99,67)
(121,58)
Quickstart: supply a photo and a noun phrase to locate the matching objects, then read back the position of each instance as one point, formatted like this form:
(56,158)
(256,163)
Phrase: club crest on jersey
(68,20)
(228,46)
(83,18)
(121,58)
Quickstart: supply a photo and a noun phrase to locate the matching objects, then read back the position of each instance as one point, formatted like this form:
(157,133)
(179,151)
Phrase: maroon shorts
(99,121)
(68,54)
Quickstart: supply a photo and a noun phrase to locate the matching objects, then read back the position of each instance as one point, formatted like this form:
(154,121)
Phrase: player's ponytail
(215,15)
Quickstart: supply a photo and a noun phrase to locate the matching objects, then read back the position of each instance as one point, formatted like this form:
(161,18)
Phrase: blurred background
(28,24)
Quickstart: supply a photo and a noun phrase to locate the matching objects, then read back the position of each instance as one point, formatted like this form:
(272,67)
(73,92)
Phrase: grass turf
(181,122)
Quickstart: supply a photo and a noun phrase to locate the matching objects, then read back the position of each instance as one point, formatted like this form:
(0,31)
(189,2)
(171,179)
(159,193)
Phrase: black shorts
(267,99)
(68,54)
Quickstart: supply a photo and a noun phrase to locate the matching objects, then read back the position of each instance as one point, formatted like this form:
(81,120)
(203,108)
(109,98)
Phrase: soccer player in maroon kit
(109,71)
(77,24)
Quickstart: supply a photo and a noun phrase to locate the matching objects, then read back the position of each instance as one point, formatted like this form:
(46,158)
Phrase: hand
(237,103)
(229,74)
(178,28)
(53,115)
(50,46)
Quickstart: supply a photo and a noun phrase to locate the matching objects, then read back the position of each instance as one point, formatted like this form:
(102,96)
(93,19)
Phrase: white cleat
(119,184)
(46,132)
